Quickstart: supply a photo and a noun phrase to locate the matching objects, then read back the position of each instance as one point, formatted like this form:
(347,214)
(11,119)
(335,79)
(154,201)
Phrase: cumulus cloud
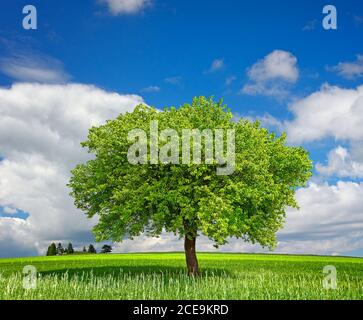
(40,130)
(272,75)
(341,164)
(356,150)
(167,242)
(16,239)
(120,7)
(330,112)
(330,221)
(41,127)
(276,65)
(349,70)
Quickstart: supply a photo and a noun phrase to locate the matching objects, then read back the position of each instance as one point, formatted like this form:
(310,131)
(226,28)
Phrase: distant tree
(84,250)
(70,249)
(106,249)
(52,250)
(60,249)
(91,249)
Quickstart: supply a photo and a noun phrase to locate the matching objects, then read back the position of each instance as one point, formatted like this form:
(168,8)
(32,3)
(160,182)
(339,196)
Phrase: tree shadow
(133,271)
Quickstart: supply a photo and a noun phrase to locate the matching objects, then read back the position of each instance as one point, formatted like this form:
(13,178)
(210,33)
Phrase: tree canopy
(189,199)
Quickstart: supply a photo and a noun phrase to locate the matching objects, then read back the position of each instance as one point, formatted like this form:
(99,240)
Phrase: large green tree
(189,199)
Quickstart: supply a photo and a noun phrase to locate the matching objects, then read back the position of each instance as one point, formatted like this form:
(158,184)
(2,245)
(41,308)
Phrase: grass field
(162,276)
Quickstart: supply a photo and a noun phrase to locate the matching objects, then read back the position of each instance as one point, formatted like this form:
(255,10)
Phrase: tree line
(59,250)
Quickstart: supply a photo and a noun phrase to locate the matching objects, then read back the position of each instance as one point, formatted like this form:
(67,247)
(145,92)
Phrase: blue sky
(181,39)
(167,52)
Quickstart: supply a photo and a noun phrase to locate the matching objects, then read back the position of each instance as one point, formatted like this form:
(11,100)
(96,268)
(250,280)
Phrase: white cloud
(176,80)
(217,64)
(349,70)
(41,127)
(168,242)
(33,68)
(331,217)
(270,122)
(271,75)
(151,89)
(276,65)
(230,80)
(120,7)
(272,90)
(16,239)
(330,112)
(267,121)
(341,164)
(330,221)
(40,130)
(356,150)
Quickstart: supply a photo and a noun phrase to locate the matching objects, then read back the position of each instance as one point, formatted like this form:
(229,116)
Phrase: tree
(60,249)
(188,199)
(84,250)
(70,249)
(52,250)
(106,249)
(91,249)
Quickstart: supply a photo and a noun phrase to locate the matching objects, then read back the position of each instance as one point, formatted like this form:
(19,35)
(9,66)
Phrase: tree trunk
(190,255)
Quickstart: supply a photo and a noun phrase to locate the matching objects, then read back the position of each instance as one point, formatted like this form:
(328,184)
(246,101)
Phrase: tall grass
(223,277)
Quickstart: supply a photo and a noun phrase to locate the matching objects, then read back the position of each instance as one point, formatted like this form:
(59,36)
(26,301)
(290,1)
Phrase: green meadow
(163,276)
